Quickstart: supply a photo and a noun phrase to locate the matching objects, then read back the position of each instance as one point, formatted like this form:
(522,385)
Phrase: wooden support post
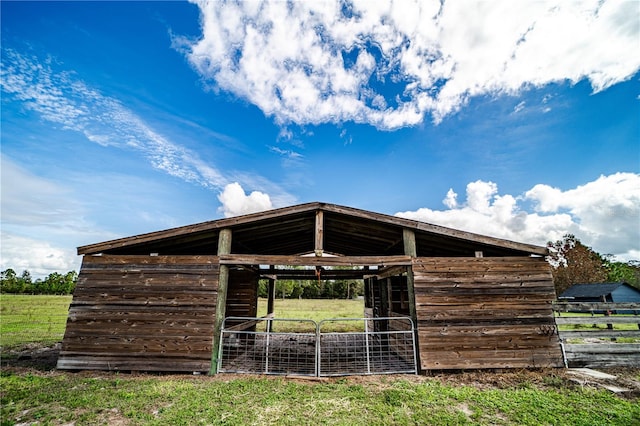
(271,294)
(409,238)
(384,302)
(224,247)
(410,249)
(319,234)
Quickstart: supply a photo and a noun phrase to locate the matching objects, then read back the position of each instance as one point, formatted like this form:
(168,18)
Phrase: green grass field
(32,396)
(32,319)
(316,310)
(521,398)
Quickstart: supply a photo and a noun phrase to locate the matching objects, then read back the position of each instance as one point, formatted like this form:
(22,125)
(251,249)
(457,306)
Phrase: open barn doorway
(364,328)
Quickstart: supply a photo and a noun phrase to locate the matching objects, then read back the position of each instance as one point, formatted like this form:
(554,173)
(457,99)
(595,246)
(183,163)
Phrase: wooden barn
(158,301)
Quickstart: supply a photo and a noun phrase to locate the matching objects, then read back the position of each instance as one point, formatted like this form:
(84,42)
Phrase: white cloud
(36,215)
(61,98)
(235,202)
(335,61)
(603,214)
(39,257)
(519,107)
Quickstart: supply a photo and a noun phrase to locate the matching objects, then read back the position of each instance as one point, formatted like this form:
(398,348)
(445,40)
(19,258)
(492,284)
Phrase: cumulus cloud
(35,212)
(39,257)
(391,63)
(604,214)
(236,202)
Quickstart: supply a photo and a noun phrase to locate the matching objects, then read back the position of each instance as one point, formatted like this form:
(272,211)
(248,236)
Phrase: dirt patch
(33,356)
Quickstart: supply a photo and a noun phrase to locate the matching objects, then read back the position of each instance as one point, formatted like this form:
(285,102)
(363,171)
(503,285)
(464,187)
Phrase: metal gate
(334,347)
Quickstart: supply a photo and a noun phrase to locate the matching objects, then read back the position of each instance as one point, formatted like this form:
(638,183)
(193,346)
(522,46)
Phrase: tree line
(54,283)
(571,263)
(574,263)
(314,289)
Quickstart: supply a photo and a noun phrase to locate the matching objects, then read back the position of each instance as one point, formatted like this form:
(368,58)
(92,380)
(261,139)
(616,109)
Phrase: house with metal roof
(617,292)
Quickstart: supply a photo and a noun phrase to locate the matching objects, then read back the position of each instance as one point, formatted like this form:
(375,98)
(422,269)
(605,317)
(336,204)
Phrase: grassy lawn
(32,319)
(313,309)
(316,310)
(29,395)
(56,398)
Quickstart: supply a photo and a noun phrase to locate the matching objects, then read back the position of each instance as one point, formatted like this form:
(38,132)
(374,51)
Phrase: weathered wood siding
(476,313)
(242,297)
(147,313)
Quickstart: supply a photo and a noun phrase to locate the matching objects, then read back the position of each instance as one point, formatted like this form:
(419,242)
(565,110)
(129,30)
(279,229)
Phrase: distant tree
(8,281)
(54,283)
(628,272)
(572,262)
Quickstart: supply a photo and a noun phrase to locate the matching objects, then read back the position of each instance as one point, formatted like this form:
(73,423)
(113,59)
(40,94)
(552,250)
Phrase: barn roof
(292,230)
(595,290)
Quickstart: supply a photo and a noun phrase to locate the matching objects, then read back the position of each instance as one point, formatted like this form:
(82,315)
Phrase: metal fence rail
(304,347)
(386,346)
(268,346)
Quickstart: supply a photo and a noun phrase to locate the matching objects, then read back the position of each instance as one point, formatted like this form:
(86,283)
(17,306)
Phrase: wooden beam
(310,274)
(254,259)
(567,306)
(224,248)
(390,272)
(319,233)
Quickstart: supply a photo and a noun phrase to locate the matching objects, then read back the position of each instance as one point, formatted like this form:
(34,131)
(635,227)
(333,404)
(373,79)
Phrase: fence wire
(304,347)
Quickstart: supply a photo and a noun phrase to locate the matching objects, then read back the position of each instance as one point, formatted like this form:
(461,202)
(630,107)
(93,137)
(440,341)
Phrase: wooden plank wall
(476,313)
(242,295)
(142,313)
(399,296)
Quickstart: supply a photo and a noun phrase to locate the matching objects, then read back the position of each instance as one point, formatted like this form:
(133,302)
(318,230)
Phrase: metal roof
(292,231)
(595,290)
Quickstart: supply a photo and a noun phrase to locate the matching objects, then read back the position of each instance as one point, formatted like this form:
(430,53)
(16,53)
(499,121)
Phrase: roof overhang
(293,230)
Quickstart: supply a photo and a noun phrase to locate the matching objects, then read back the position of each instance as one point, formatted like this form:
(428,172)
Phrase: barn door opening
(378,339)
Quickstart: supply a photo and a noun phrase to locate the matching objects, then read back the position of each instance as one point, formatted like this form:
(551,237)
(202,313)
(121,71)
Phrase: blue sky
(520,121)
